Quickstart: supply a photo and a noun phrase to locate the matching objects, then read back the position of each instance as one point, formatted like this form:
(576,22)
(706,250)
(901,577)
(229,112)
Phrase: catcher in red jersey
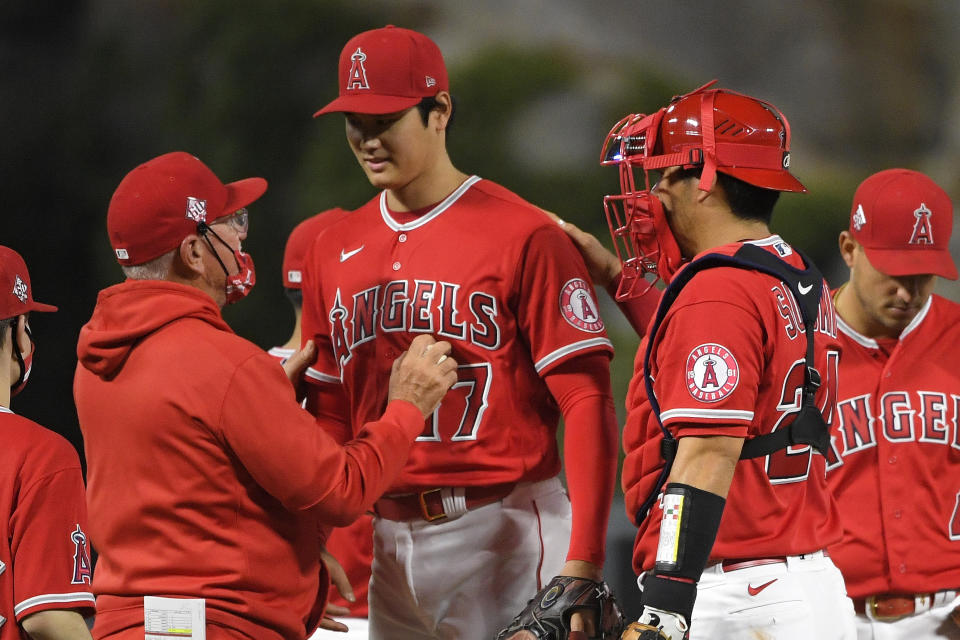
(351,546)
(894,463)
(44,560)
(478,520)
(734,383)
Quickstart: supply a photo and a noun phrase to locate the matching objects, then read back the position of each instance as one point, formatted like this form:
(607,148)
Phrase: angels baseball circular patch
(712,372)
(578,307)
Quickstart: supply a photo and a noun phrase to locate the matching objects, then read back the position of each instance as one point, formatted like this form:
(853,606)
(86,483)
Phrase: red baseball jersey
(728,360)
(484,270)
(894,463)
(44,558)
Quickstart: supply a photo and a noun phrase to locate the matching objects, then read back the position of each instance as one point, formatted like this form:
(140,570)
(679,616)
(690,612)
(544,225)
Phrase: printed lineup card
(174,618)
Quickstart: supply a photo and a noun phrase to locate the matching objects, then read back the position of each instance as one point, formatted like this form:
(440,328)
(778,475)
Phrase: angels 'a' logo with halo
(712,372)
(578,307)
(357,76)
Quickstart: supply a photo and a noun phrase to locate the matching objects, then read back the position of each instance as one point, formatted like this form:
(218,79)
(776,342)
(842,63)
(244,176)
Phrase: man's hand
(656,624)
(423,374)
(602,265)
(338,577)
(296,364)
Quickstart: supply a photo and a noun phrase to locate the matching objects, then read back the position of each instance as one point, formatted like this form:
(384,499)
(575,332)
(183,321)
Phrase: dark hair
(427,105)
(295,296)
(746,201)
(6,322)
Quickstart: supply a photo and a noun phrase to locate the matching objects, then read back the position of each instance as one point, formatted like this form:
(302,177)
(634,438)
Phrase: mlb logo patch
(20,289)
(196,209)
(295,276)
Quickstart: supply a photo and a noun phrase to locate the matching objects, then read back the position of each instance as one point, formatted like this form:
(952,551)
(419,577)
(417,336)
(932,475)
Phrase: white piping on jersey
(4,409)
(870,343)
(430,215)
(53,598)
(550,358)
(322,377)
(280,352)
(719,414)
(765,242)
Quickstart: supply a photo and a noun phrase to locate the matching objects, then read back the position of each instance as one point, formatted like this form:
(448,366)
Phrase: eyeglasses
(240,220)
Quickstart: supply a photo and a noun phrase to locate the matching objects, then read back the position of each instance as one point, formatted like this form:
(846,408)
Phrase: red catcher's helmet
(717,129)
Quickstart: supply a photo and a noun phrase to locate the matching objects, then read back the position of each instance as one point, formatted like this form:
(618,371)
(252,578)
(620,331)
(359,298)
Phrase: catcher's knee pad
(547,615)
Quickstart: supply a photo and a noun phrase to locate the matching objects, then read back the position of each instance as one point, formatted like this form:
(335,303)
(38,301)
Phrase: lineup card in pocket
(174,618)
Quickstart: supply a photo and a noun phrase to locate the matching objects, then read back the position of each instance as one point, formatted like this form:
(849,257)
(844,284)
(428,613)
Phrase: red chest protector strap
(808,427)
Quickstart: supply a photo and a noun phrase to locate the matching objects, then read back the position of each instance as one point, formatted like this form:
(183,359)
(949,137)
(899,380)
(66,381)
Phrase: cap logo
(922,229)
(859,218)
(430,80)
(357,78)
(122,254)
(786,160)
(196,209)
(20,289)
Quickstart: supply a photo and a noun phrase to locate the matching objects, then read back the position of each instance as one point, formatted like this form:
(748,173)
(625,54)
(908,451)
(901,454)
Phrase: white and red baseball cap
(299,242)
(16,294)
(903,221)
(160,203)
(388,70)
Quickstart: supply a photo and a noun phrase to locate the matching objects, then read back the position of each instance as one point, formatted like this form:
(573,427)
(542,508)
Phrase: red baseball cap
(903,221)
(162,201)
(300,241)
(388,70)
(16,294)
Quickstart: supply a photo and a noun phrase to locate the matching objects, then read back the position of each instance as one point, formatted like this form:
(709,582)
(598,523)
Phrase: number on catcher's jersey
(465,407)
(793,463)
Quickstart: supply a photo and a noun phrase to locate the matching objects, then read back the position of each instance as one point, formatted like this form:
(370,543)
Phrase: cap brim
(241,193)
(39,306)
(766,178)
(912,262)
(368,103)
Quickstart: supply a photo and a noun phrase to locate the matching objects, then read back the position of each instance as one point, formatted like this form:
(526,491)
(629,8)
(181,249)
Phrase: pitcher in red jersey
(478,520)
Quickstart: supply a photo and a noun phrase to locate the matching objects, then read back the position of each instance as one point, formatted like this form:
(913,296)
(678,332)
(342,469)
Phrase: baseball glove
(656,624)
(547,614)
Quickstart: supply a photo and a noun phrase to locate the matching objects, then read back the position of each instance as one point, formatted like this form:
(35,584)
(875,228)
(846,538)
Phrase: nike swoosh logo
(804,290)
(755,590)
(346,255)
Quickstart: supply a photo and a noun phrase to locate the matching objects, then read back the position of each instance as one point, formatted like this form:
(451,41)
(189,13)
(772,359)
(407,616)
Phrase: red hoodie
(205,477)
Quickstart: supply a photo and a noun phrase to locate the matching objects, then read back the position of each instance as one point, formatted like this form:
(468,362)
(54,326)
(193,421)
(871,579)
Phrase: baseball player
(894,462)
(208,483)
(734,381)
(44,559)
(478,520)
(351,546)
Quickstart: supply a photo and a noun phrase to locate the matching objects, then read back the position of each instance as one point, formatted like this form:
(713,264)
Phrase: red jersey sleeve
(557,312)
(51,561)
(710,353)
(314,322)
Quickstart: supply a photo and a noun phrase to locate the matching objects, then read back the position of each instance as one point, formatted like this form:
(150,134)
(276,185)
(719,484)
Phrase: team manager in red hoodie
(205,477)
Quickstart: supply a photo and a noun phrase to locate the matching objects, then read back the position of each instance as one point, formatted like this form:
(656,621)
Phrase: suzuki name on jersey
(420,306)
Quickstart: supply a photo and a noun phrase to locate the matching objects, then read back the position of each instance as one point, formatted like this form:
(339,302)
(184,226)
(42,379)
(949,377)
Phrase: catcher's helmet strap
(809,426)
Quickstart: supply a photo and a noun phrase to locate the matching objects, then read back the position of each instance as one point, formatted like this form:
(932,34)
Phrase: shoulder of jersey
(514,208)
(36,440)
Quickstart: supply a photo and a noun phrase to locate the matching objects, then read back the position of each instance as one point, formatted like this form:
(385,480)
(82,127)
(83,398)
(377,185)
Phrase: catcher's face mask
(715,129)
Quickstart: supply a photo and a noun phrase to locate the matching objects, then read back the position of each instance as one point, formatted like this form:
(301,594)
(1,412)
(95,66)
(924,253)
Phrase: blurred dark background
(92,88)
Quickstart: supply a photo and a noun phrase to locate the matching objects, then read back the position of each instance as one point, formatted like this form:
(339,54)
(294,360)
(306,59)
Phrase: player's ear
(440,114)
(848,247)
(190,255)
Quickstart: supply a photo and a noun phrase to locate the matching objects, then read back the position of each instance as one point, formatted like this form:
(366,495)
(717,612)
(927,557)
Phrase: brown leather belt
(746,563)
(887,607)
(428,505)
